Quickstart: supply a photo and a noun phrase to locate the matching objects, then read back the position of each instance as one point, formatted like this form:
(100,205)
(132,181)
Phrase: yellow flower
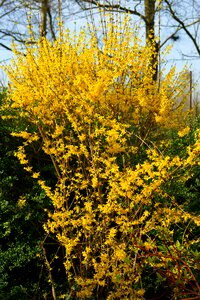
(21,202)
(120,254)
(36,175)
(183,132)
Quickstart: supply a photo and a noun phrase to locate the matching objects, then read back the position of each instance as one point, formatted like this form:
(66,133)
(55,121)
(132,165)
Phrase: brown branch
(183,25)
(49,272)
(6,47)
(14,36)
(113,7)
(169,37)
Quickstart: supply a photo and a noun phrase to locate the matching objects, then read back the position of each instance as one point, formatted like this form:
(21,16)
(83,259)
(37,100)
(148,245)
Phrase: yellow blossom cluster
(83,100)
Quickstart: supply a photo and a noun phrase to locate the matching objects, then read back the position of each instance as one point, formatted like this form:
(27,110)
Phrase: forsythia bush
(92,107)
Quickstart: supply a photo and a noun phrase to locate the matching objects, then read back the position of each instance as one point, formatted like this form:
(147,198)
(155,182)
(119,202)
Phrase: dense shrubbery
(122,174)
(23,274)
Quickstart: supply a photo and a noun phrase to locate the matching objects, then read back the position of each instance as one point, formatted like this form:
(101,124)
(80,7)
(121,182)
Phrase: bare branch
(110,7)
(5,47)
(170,37)
(183,26)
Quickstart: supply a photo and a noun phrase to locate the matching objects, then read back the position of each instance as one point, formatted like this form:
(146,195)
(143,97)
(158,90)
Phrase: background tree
(16,16)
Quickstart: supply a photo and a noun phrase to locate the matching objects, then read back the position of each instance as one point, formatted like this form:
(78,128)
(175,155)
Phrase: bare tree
(15,16)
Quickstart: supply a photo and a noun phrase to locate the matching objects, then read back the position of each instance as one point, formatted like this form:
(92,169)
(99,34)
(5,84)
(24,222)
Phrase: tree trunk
(150,11)
(44,12)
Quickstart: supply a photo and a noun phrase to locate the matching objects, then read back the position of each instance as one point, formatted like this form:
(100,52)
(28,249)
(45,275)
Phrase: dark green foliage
(187,193)
(23,273)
